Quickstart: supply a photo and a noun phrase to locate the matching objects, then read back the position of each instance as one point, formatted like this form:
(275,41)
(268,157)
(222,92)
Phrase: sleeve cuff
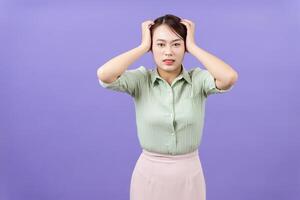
(105,85)
(213,87)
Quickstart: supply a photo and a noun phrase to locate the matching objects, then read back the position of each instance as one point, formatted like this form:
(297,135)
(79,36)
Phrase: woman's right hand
(146,35)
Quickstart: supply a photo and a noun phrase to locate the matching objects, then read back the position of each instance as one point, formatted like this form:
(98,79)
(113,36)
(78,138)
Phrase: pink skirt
(168,177)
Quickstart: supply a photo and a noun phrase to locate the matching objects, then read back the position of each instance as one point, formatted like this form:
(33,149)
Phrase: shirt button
(172,133)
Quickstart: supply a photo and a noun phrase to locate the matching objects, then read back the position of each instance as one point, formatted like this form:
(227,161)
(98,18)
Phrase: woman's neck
(169,76)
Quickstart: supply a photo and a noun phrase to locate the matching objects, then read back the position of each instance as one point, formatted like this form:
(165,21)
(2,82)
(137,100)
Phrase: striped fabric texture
(169,118)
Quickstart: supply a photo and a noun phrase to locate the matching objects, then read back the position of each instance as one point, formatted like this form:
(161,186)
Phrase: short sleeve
(129,82)
(208,83)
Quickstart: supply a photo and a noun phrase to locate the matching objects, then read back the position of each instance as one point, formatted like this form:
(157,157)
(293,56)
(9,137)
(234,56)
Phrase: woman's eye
(161,44)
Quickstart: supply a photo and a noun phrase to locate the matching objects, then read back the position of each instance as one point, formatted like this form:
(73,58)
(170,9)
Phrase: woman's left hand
(190,38)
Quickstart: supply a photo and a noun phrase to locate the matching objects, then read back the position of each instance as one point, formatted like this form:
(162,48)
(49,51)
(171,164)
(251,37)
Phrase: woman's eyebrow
(165,40)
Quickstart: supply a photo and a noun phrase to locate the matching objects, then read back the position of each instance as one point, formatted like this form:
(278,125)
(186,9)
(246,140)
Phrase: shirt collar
(184,74)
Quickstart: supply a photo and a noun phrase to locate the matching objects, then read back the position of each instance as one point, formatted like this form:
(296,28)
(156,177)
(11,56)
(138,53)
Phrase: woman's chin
(170,66)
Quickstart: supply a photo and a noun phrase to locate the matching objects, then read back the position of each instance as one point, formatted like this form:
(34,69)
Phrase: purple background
(63,136)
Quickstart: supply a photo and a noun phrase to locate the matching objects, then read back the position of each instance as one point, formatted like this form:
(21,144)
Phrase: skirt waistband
(168,157)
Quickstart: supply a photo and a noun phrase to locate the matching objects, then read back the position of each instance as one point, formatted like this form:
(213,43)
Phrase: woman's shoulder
(139,71)
(196,71)
(144,71)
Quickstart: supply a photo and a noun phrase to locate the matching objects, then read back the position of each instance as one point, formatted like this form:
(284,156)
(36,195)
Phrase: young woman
(170,106)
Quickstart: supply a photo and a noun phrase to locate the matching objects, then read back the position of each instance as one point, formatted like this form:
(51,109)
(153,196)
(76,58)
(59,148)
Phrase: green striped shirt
(169,118)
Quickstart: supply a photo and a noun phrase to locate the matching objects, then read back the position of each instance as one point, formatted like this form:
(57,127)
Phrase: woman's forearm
(219,69)
(117,65)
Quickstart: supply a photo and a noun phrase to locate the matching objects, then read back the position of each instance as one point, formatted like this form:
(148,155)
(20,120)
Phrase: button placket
(171,117)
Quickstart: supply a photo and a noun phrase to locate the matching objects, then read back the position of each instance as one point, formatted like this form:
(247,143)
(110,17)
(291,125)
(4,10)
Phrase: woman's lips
(169,62)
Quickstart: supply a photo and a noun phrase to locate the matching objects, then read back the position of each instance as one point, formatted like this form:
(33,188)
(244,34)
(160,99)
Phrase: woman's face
(167,45)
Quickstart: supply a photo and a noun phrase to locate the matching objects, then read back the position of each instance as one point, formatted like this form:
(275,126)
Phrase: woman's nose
(168,50)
